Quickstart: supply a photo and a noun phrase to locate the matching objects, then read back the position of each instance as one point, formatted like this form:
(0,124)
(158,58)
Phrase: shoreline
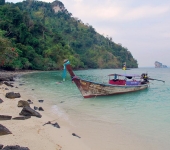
(95,133)
(30,132)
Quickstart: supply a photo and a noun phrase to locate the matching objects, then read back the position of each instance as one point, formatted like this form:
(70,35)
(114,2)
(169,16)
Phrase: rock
(23,103)
(1,101)
(76,135)
(28,111)
(6,89)
(12,95)
(35,108)
(16,147)
(8,84)
(40,109)
(21,117)
(41,101)
(4,130)
(5,117)
(29,101)
(56,125)
(6,77)
(1,146)
(21,84)
(49,122)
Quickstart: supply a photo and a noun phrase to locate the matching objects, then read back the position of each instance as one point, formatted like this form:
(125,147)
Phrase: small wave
(59,112)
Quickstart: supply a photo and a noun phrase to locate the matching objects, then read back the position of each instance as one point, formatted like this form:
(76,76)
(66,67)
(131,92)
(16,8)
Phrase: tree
(42,38)
(2,2)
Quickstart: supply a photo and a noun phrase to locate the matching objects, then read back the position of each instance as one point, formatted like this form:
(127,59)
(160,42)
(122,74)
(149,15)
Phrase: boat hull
(92,89)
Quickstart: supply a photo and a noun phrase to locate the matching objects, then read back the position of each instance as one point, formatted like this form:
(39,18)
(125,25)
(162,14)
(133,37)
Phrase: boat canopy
(125,75)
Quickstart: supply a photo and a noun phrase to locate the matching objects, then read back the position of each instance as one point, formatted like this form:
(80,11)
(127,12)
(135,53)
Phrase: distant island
(159,65)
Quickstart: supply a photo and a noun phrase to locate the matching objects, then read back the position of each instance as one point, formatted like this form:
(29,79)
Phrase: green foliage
(34,36)
(2,2)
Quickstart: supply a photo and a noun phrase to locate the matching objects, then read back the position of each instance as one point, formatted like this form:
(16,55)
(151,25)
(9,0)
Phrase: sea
(132,121)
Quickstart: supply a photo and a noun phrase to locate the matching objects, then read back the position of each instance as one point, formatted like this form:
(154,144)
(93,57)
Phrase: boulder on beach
(1,146)
(21,117)
(5,117)
(8,84)
(41,101)
(23,103)
(56,125)
(1,101)
(21,84)
(28,111)
(29,101)
(4,130)
(76,135)
(6,78)
(16,147)
(40,109)
(49,122)
(35,108)
(12,95)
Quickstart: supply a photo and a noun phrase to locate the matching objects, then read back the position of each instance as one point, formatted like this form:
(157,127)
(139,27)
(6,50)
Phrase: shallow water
(140,119)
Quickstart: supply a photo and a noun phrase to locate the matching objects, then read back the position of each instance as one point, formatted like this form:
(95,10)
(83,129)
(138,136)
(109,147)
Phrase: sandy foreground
(30,132)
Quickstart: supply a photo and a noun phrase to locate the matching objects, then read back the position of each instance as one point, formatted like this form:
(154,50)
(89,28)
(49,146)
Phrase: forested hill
(40,35)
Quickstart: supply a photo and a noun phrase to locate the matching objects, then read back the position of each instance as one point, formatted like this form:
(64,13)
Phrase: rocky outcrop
(159,65)
(28,111)
(23,103)
(58,6)
(4,130)
(6,77)
(12,95)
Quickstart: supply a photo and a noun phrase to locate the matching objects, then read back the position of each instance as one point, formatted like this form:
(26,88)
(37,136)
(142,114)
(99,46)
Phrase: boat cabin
(118,79)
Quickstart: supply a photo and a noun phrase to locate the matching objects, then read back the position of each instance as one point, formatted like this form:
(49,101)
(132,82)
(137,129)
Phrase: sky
(143,27)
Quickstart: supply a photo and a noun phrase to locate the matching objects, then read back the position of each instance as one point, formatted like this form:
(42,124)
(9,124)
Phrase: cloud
(145,12)
(116,11)
(78,1)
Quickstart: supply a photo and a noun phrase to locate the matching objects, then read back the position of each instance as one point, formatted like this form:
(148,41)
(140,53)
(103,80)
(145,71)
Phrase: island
(159,65)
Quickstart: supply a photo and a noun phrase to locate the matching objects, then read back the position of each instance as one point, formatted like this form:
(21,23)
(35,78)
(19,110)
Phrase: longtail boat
(115,85)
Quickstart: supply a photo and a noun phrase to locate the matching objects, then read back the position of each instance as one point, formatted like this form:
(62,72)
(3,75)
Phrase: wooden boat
(130,83)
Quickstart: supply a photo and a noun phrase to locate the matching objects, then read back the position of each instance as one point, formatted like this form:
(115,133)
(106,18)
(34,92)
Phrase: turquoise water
(143,114)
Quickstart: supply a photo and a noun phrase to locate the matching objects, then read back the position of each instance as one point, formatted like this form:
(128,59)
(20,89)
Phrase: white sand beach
(30,132)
